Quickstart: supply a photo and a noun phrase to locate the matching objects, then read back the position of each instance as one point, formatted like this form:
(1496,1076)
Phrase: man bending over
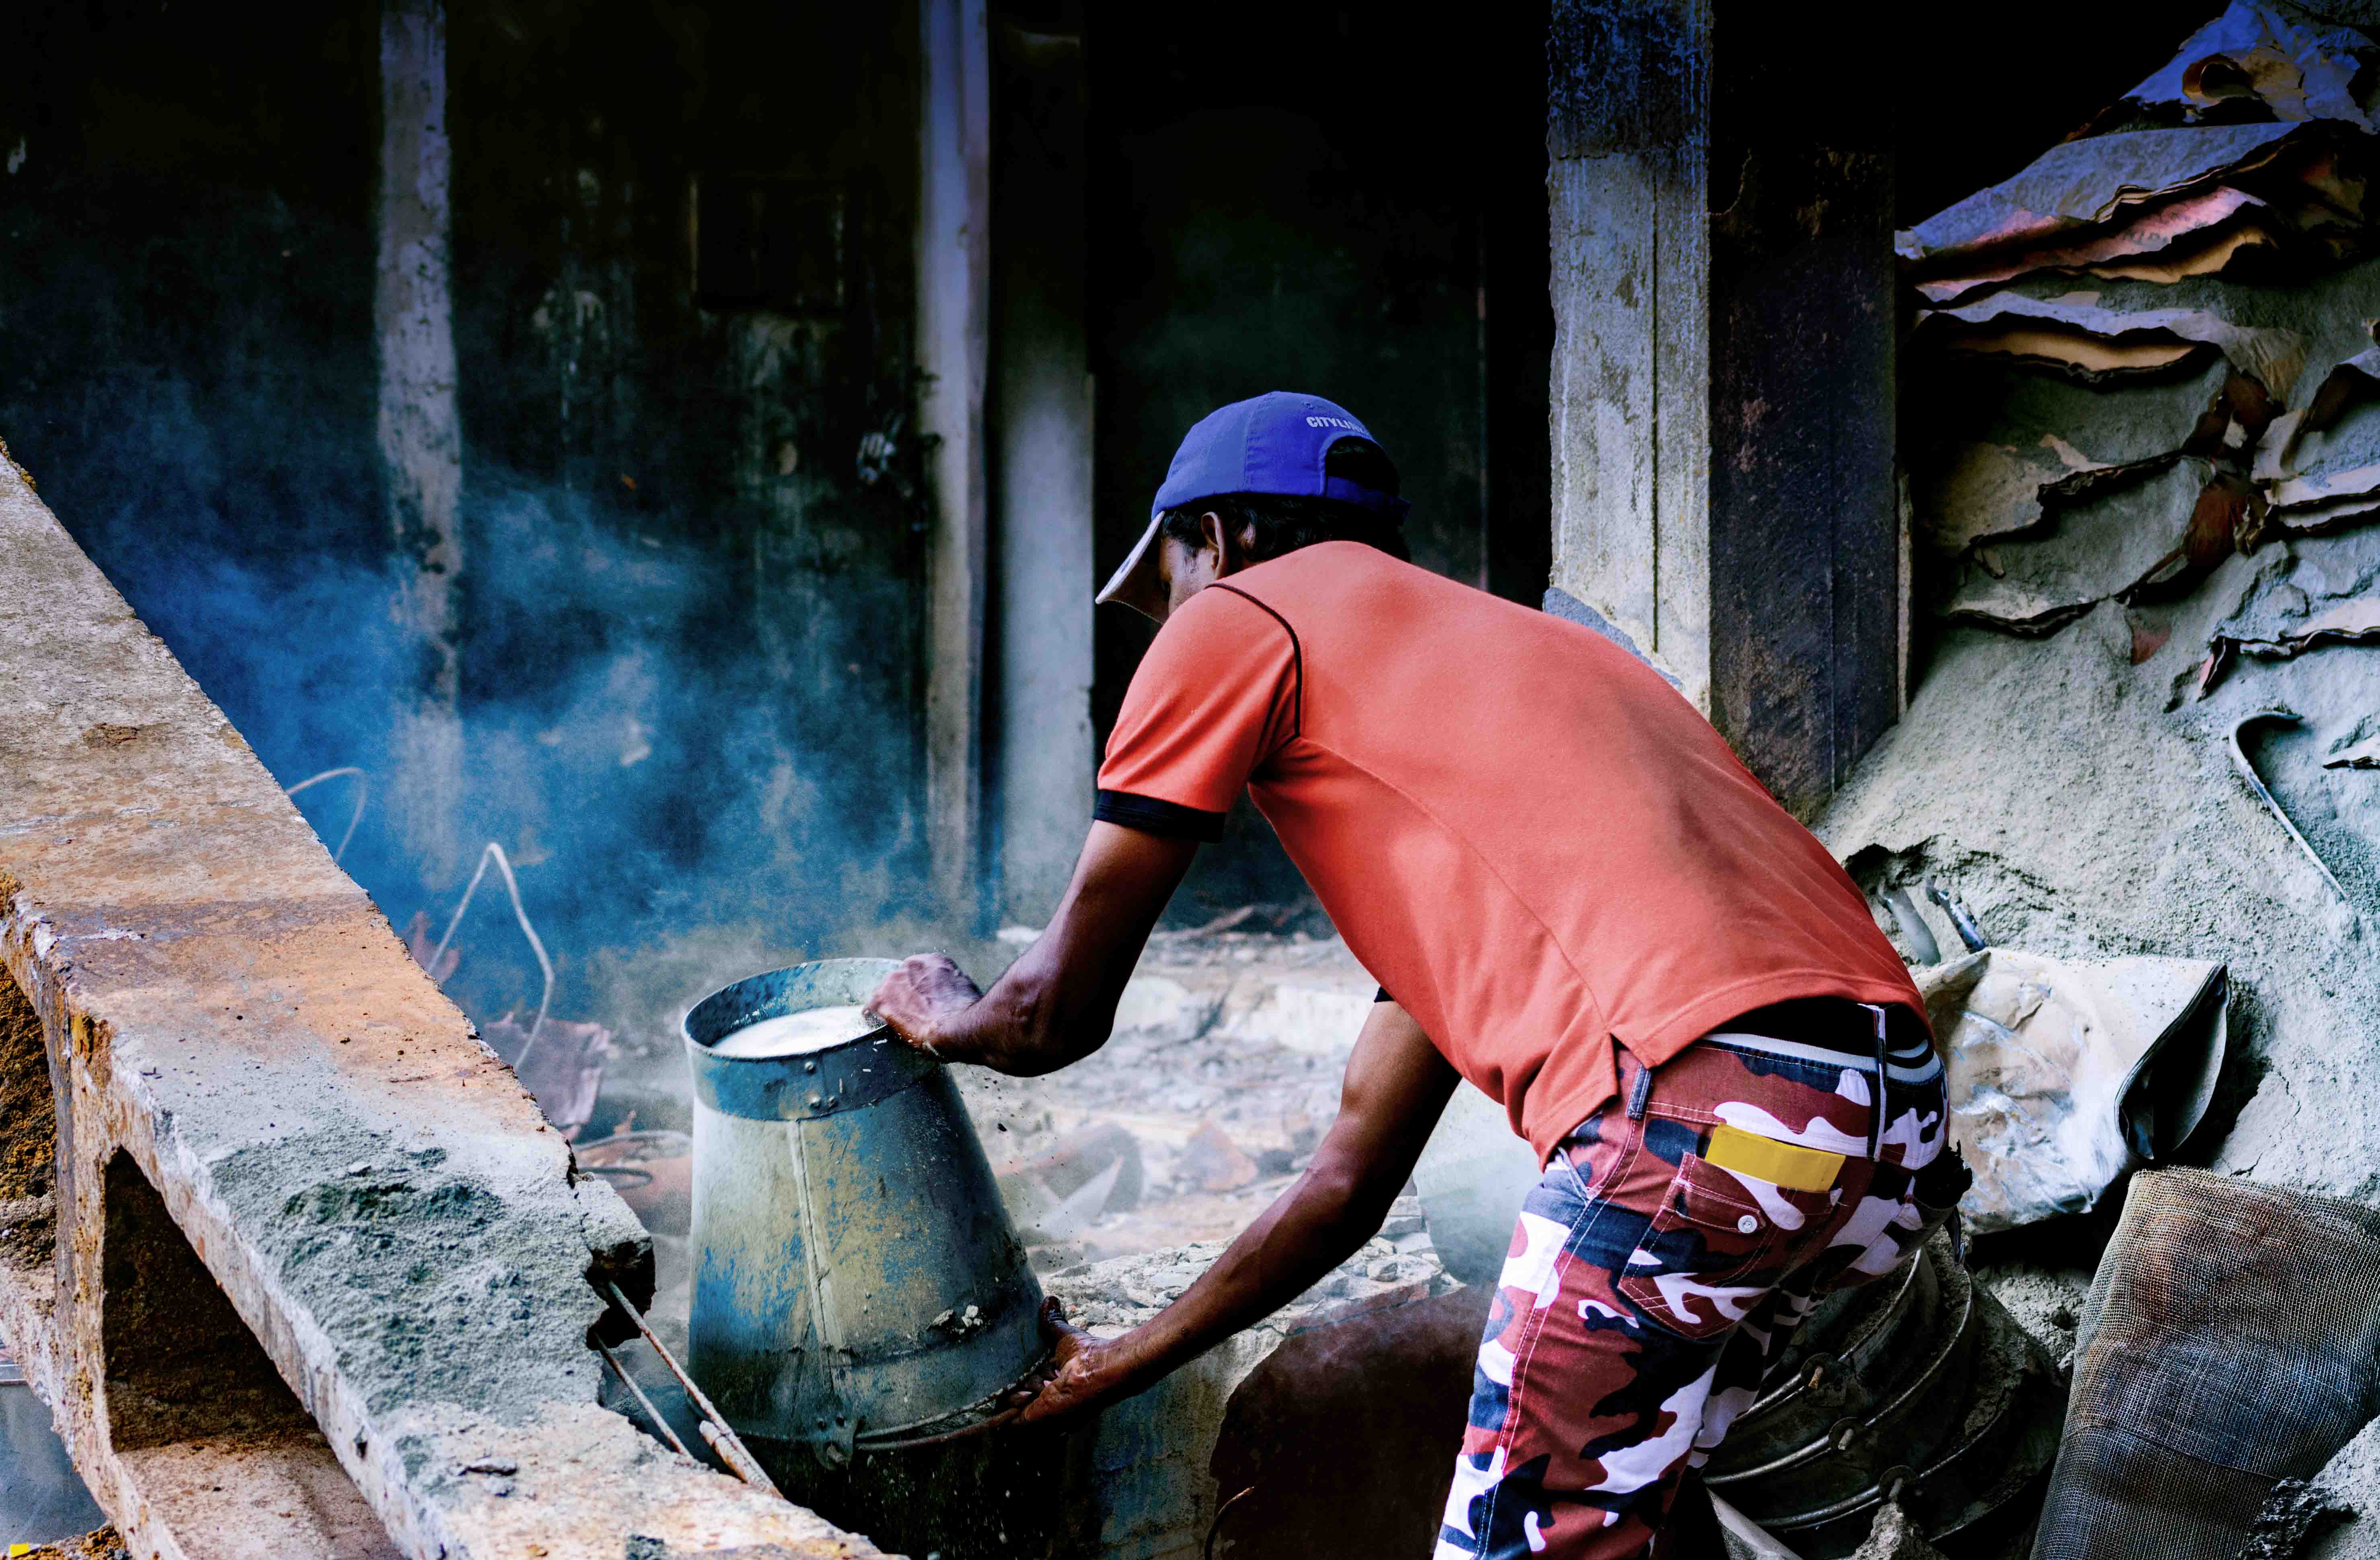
(1573,895)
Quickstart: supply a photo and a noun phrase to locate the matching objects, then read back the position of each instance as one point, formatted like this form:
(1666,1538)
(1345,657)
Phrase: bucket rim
(729,998)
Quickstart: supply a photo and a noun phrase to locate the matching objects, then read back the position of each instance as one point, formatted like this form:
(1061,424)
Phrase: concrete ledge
(225,1019)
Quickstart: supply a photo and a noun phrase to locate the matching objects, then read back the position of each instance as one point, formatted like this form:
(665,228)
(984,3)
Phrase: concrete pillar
(421,427)
(954,282)
(1722,382)
(1044,759)
(1628,132)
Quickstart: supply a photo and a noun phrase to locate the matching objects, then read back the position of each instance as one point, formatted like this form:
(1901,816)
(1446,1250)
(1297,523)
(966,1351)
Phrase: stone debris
(1109,1298)
(2047,1300)
(2352,1479)
(1895,1537)
(100,1544)
(2077,787)
(1077,1159)
(1247,1029)
(1210,1161)
(2297,1512)
(1252,1046)
(2142,423)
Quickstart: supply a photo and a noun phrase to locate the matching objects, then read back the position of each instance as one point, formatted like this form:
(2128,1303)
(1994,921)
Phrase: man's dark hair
(1277,523)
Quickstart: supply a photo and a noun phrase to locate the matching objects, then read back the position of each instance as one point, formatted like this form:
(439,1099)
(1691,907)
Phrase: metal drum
(858,1286)
(1919,1387)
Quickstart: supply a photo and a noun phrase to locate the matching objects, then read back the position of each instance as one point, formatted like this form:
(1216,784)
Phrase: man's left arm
(1397,1087)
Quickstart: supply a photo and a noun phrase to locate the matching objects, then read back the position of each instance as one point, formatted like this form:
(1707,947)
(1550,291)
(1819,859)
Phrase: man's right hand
(1056,1003)
(927,990)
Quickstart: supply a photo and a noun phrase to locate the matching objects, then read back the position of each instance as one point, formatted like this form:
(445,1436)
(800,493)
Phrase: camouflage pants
(1648,1287)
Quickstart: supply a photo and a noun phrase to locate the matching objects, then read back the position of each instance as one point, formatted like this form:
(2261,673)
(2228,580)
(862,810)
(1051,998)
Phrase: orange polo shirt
(1529,838)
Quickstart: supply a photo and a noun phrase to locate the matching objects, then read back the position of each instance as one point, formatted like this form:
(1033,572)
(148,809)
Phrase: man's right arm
(1056,1004)
(1218,691)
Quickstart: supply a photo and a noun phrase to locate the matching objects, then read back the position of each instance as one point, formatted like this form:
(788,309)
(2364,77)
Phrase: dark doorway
(1294,196)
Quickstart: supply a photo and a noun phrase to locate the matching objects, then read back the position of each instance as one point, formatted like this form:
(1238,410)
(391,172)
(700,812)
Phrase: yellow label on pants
(1781,1164)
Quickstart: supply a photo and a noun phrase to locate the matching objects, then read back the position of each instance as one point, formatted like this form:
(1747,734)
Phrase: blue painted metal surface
(856,1277)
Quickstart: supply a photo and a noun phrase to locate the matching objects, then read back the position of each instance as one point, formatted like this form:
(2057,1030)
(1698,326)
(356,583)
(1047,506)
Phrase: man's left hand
(918,996)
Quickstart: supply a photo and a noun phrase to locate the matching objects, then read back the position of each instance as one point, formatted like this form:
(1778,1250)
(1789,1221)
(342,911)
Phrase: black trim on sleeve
(1152,815)
(1383,996)
(1296,660)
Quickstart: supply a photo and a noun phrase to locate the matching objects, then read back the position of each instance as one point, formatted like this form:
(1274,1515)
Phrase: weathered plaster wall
(685,628)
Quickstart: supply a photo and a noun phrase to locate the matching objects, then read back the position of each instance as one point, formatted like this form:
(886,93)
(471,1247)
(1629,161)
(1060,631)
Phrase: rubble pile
(2142,421)
(1222,1073)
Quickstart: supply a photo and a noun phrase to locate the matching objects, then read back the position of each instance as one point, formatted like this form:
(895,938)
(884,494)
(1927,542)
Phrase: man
(1577,898)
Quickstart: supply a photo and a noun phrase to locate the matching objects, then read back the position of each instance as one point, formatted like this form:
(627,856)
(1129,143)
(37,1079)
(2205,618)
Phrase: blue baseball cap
(1276,442)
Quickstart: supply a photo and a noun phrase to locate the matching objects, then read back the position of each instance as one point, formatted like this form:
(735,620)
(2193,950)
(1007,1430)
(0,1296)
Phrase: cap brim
(1137,584)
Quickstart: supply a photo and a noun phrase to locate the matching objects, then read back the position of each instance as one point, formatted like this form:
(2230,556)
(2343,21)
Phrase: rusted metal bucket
(856,1282)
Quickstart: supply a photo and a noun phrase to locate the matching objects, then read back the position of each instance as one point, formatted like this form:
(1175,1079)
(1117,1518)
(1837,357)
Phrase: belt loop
(1640,1092)
(1875,1124)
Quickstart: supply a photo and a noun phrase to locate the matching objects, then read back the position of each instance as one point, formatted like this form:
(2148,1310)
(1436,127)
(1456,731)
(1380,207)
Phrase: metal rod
(904,1437)
(1961,919)
(731,1451)
(495,853)
(363,794)
(715,1428)
(1216,1527)
(2247,769)
(963,1432)
(642,1401)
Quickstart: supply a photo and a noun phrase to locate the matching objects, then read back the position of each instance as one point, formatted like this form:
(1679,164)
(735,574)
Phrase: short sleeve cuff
(1152,815)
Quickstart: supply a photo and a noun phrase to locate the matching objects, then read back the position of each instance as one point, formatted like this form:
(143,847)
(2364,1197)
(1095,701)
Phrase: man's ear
(1217,533)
